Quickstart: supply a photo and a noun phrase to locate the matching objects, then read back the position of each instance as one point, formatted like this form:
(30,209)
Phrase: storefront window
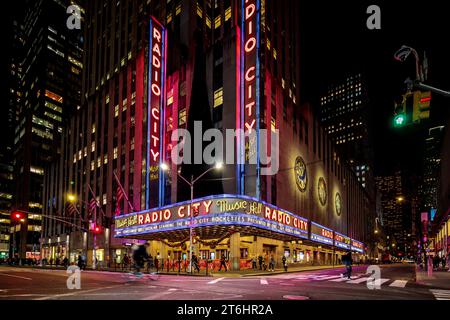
(244,253)
(204,254)
(221,253)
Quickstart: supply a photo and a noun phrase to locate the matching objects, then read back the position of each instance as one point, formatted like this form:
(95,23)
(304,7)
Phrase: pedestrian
(195,263)
(222,263)
(284,261)
(125,261)
(65,262)
(254,263)
(266,262)
(150,262)
(157,258)
(272,264)
(80,262)
(260,260)
(347,260)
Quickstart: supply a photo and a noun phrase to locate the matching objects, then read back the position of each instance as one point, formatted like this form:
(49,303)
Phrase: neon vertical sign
(155,112)
(250,95)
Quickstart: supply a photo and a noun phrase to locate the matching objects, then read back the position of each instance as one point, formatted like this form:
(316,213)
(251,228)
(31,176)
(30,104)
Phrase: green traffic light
(399,120)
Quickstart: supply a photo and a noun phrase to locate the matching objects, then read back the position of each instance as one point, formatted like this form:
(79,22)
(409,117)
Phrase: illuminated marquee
(357,246)
(341,241)
(321,234)
(155,114)
(210,211)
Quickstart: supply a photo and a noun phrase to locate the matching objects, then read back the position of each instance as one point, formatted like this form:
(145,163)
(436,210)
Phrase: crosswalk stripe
(264,281)
(358,280)
(341,279)
(215,281)
(441,294)
(399,283)
(330,277)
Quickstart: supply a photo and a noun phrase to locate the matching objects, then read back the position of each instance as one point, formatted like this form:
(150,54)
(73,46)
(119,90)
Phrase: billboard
(321,234)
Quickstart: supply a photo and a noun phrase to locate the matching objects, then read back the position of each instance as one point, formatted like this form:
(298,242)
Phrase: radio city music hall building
(141,73)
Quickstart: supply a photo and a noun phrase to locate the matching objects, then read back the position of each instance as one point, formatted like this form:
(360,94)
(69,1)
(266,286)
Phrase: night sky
(335,40)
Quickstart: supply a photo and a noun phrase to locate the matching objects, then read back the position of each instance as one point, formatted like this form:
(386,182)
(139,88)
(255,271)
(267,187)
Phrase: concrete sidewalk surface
(437,279)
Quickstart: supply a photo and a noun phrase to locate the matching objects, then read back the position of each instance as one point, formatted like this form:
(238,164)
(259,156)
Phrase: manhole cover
(296,297)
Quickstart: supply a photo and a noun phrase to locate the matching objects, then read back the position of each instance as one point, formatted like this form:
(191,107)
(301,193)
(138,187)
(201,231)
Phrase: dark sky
(335,40)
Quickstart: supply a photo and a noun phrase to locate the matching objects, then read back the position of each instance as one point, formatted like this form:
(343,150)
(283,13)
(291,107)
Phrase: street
(397,283)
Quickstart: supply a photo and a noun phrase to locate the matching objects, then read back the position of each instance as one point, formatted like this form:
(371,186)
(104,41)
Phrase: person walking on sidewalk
(254,263)
(347,260)
(283,260)
(260,260)
(272,263)
(222,263)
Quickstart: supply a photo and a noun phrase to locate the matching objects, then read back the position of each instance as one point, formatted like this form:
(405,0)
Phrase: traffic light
(97,229)
(16,215)
(421,108)
(400,117)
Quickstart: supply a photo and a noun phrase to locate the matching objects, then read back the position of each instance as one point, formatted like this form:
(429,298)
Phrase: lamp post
(191,183)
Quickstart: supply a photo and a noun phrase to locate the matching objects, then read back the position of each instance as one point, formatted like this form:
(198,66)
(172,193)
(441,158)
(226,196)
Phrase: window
(217,22)
(115,153)
(228,14)
(53,96)
(93,146)
(218,97)
(182,117)
(116,111)
(37,170)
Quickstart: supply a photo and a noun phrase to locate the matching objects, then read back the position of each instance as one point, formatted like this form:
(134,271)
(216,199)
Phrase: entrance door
(269,250)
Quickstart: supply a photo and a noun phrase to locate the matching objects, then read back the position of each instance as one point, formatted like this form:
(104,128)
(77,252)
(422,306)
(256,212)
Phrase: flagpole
(94,262)
(123,190)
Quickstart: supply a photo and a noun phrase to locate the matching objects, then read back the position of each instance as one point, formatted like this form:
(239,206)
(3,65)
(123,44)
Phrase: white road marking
(399,283)
(173,289)
(215,281)
(342,279)
(441,294)
(12,276)
(358,280)
(264,281)
(330,277)
(157,295)
(72,293)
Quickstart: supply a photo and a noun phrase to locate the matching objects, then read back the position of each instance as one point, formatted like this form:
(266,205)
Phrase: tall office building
(51,64)
(157,66)
(344,114)
(432,168)
(397,207)
(11,95)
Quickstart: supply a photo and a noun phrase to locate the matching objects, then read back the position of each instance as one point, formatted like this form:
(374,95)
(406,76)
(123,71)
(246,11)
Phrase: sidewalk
(437,279)
(227,274)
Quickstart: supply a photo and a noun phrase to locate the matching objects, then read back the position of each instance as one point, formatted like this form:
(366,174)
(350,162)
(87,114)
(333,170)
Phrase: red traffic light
(97,229)
(16,215)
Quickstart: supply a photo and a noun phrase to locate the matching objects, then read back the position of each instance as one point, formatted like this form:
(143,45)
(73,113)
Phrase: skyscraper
(432,168)
(51,64)
(152,68)
(344,115)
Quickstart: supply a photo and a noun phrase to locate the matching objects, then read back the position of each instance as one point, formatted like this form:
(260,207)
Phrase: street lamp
(217,166)
(71,198)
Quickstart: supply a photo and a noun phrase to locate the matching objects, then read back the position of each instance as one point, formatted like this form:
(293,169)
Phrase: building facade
(50,91)
(155,68)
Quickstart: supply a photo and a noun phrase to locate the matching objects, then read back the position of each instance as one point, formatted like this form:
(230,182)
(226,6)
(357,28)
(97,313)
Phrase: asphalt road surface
(40,284)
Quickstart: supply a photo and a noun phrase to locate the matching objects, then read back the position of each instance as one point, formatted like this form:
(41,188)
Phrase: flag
(119,197)
(92,207)
(71,209)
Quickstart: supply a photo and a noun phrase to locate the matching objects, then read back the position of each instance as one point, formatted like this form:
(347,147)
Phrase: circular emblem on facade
(338,203)
(301,175)
(322,189)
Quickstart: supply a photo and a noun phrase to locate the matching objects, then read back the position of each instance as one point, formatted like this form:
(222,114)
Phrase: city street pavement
(397,282)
